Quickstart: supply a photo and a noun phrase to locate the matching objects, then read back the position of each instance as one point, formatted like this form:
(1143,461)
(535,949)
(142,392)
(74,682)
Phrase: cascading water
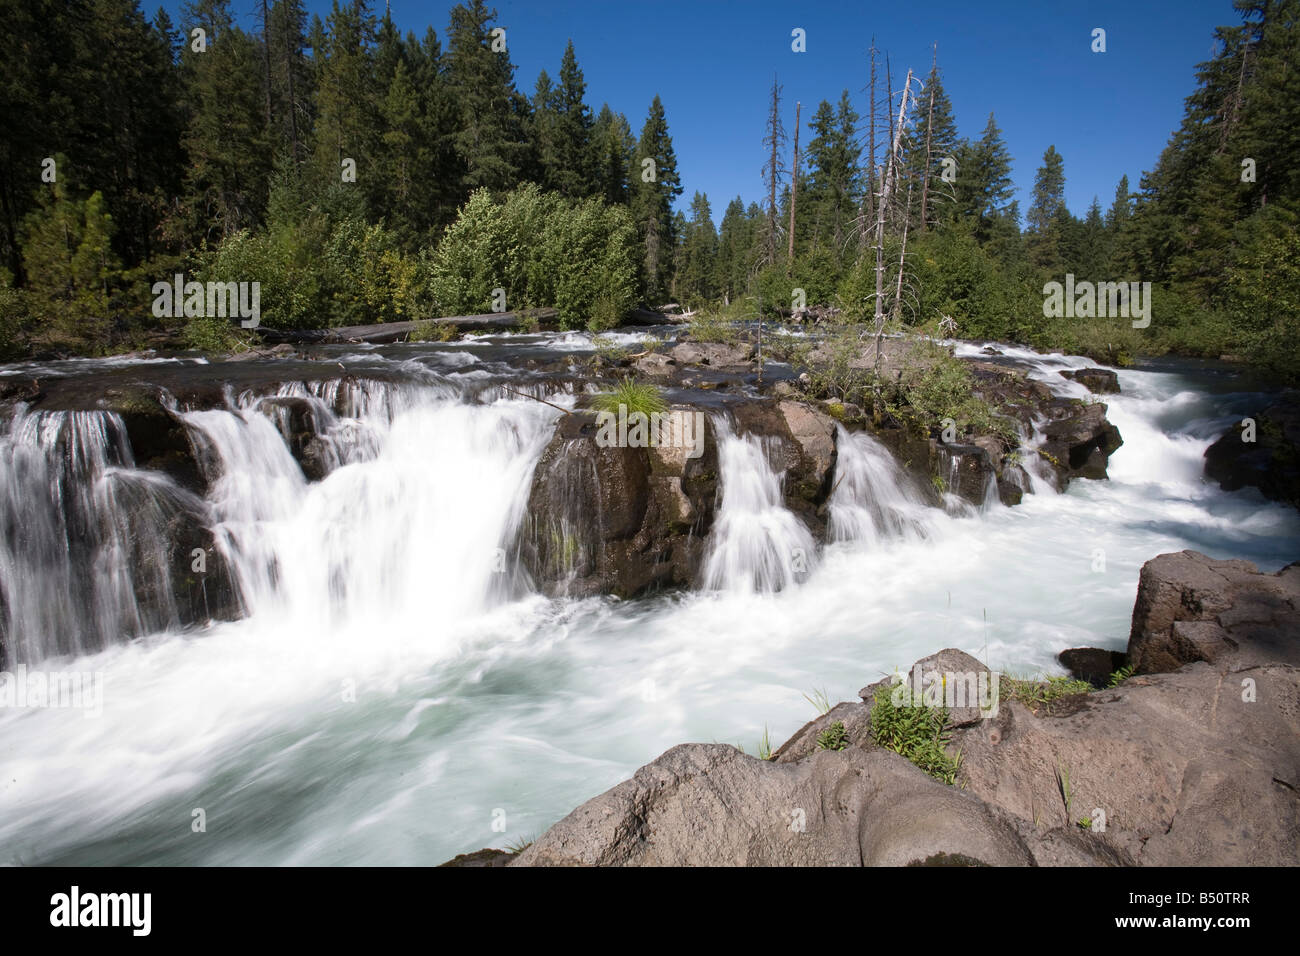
(85,553)
(757,543)
(391,698)
(873,498)
(428,519)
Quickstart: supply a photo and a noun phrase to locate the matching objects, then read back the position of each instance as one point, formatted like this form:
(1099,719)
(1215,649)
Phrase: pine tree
(835,178)
(291,89)
(614,149)
(931,143)
(983,187)
(346,99)
(696,281)
(69,259)
(544,131)
(574,171)
(490,138)
(227,138)
(1045,219)
(655,186)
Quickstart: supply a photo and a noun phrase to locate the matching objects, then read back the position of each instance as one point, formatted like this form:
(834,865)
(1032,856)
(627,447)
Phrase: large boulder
(800,444)
(713,354)
(1079,440)
(1100,380)
(1264,454)
(617,520)
(1191,607)
(1195,766)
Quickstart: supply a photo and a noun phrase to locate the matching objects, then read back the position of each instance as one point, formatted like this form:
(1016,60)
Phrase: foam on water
(391,691)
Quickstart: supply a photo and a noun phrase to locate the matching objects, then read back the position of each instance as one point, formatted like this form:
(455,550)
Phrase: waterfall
(757,543)
(874,499)
(87,550)
(414,520)
(422,530)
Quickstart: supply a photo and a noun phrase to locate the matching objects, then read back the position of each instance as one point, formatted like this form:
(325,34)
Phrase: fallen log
(387,332)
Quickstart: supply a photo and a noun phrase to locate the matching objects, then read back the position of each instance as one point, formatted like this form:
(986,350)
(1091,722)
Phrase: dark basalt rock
(1100,380)
(159,441)
(1271,462)
(1092,664)
(610,520)
(1079,440)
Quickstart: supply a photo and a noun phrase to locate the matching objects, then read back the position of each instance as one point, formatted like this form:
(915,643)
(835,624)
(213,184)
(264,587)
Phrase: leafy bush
(287,264)
(934,385)
(579,258)
(15,314)
(371,280)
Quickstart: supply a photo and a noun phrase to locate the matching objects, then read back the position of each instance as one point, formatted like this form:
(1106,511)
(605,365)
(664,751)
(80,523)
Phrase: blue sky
(712,62)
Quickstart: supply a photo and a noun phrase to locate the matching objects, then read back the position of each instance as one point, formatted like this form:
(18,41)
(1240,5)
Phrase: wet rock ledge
(1192,760)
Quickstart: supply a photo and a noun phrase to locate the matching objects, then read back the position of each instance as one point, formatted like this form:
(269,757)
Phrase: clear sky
(711,61)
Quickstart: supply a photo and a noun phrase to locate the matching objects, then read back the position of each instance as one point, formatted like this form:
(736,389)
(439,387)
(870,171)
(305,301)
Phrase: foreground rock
(1196,761)
(1193,608)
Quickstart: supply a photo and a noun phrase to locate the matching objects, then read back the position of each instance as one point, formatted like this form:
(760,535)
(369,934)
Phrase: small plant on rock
(917,732)
(834,737)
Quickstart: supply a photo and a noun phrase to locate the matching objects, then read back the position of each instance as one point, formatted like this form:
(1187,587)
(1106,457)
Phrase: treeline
(323,158)
(1212,227)
(363,175)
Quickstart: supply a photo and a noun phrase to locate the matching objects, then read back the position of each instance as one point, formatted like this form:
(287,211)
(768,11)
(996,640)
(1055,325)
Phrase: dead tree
(892,162)
(929,141)
(794,188)
(773,170)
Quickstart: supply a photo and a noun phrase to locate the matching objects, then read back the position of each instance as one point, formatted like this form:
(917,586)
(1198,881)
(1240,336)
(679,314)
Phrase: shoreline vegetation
(363,177)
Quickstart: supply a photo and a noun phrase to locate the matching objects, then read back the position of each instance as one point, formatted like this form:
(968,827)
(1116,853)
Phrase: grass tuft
(639,398)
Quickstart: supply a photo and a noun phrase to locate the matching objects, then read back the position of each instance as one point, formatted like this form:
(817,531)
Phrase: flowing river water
(397,695)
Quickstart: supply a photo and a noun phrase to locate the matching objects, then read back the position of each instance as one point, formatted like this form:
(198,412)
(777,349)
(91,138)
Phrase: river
(394,698)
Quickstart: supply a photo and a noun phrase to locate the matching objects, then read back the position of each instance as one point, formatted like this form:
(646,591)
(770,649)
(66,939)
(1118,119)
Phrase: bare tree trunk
(775,137)
(902,257)
(929,139)
(871,155)
(891,165)
(889,97)
(794,189)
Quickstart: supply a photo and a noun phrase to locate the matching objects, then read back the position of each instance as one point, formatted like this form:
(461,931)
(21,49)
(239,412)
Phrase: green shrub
(935,385)
(15,314)
(711,326)
(915,731)
(579,258)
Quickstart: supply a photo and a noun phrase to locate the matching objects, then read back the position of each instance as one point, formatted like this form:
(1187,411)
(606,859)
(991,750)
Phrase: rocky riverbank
(1190,758)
